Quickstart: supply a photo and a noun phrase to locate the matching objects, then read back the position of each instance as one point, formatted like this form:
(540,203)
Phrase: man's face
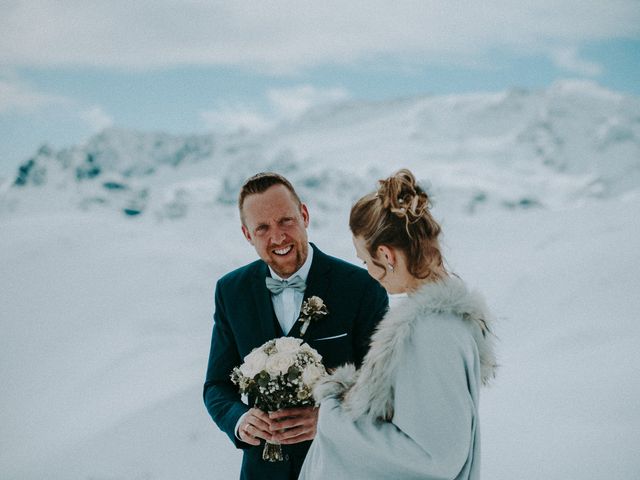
(277,228)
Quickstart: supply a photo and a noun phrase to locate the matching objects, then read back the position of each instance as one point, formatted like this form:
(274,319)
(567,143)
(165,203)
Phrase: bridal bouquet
(279,374)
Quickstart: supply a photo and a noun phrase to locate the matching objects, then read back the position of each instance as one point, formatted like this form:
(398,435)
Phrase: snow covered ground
(106,325)
(105,319)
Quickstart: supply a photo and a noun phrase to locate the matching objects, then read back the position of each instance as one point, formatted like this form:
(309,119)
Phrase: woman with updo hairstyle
(411,410)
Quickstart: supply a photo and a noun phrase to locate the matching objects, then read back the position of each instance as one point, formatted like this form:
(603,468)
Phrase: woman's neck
(436,275)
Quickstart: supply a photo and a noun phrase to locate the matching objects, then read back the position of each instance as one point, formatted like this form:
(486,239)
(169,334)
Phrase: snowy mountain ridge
(515,149)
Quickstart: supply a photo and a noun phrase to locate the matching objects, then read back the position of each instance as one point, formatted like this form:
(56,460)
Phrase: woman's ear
(386,254)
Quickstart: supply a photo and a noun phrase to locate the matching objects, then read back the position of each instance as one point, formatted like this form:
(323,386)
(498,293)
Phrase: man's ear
(305,214)
(247,234)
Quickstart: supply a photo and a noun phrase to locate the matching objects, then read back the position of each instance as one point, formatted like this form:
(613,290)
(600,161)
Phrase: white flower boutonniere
(312,309)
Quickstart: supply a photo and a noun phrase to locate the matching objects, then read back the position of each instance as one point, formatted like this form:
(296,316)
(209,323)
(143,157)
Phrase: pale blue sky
(70,68)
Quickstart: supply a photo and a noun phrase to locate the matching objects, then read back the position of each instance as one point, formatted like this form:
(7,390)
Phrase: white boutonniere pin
(312,309)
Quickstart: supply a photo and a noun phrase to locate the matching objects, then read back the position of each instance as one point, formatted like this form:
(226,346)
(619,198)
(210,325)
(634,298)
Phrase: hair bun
(402,196)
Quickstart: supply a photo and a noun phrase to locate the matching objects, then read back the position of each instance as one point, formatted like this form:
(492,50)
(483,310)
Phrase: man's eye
(287,221)
(261,230)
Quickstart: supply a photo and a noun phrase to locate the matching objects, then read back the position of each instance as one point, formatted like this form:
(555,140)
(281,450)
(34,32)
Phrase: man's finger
(259,422)
(289,433)
(246,437)
(256,431)
(304,436)
(291,423)
(291,412)
(264,416)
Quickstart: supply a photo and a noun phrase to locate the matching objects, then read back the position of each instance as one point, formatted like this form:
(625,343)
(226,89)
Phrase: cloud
(283,104)
(234,118)
(19,97)
(289,35)
(97,118)
(290,103)
(568,59)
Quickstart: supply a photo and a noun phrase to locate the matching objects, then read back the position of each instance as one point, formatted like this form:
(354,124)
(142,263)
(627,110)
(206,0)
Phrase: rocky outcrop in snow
(516,149)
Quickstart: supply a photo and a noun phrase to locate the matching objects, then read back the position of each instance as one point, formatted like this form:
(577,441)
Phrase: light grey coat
(411,411)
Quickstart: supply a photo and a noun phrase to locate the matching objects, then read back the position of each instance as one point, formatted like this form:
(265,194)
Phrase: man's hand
(294,425)
(254,426)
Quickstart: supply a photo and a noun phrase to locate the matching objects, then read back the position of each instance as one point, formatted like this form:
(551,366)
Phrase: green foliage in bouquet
(279,374)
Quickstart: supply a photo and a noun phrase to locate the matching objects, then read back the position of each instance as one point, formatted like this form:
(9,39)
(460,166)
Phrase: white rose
(311,374)
(316,303)
(288,344)
(279,363)
(254,363)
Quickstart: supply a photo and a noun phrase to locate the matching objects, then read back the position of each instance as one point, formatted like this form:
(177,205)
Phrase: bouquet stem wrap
(272,452)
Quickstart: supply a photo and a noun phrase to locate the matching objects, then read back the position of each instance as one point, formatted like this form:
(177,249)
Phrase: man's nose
(277,236)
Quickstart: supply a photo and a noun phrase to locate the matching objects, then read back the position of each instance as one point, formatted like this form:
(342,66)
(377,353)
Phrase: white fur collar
(370,391)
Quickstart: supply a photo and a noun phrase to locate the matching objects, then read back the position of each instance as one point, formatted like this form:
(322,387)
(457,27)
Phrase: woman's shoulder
(451,303)
(443,328)
(456,321)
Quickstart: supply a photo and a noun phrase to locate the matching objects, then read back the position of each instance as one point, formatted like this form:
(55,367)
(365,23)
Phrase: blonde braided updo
(398,215)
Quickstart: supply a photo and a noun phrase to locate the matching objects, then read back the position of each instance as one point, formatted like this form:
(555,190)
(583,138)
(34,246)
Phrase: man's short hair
(260,183)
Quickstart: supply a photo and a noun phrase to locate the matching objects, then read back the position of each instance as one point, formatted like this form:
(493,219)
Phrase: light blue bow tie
(277,286)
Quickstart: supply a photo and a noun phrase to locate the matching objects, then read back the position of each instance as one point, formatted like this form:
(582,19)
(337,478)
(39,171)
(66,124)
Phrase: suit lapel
(264,307)
(317,285)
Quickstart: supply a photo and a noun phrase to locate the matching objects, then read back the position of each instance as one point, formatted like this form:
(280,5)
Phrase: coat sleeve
(433,427)
(374,303)
(221,396)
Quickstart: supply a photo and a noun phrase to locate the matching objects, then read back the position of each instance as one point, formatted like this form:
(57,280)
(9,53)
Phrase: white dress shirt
(287,305)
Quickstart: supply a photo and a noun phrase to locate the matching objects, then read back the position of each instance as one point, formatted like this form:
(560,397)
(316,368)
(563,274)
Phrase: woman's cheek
(376,272)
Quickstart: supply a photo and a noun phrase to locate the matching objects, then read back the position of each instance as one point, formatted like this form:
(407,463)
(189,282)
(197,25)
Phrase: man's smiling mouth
(283,251)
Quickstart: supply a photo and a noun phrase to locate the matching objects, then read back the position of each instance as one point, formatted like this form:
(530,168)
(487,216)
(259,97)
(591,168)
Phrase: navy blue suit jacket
(244,319)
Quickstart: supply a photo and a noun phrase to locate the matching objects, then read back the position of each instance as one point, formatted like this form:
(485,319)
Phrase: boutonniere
(312,309)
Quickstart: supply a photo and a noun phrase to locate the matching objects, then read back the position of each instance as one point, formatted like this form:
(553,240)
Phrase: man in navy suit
(248,313)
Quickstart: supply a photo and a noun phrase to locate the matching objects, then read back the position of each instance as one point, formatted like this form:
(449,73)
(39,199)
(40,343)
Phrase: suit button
(286,457)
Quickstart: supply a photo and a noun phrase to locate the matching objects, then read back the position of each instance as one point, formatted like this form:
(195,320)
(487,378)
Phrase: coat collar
(372,390)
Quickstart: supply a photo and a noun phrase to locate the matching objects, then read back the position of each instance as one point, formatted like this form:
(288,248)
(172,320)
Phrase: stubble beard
(300,258)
